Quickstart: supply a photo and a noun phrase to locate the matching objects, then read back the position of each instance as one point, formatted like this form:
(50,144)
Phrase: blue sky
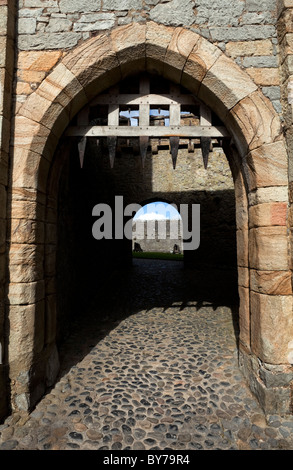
(158,210)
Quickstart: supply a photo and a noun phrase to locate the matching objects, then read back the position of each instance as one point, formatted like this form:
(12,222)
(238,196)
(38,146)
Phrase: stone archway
(261,195)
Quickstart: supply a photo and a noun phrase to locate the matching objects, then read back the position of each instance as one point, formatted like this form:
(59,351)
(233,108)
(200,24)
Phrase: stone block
(157,42)
(26,329)
(200,60)
(242,33)
(264,195)
(92,61)
(37,61)
(244,316)
(62,86)
(42,110)
(268,214)
(173,13)
(26,263)
(261,47)
(27,231)
(242,248)
(27,25)
(268,249)
(72,6)
(225,85)
(181,45)
(271,282)
(42,41)
(26,292)
(30,170)
(253,122)
(58,25)
(264,76)
(243,277)
(129,44)
(271,327)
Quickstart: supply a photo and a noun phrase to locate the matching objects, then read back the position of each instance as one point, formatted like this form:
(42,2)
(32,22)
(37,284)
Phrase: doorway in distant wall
(157,232)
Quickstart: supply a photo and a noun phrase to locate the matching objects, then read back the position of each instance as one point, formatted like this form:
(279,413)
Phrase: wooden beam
(184,132)
(147,98)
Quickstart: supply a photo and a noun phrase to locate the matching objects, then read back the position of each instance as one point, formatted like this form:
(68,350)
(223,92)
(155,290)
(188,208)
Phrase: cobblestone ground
(157,371)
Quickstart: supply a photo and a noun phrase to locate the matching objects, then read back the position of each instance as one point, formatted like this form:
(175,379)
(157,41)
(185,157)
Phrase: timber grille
(154,113)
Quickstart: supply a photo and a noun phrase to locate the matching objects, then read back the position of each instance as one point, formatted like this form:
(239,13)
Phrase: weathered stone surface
(27,25)
(261,47)
(48,41)
(181,45)
(242,248)
(27,231)
(122,5)
(264,76)
(33,174)
(264,195)
(268,214)
(243,277)
(92,61)
(199,61)
(129,45)
(71,6)
(242,33)
(268,248)
(27,329)
(253,122)
(271,327)
(26,293)
(62,86)
(174,13)
(244,315)
(225,85)
(157,42)
(271,282)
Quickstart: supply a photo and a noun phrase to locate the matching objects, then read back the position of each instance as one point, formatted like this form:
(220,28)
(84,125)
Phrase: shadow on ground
(148,284)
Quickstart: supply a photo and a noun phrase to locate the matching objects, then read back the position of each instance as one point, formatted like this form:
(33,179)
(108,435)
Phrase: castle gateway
(221,72)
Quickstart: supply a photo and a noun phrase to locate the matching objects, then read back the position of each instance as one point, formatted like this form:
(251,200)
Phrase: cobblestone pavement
(158,370)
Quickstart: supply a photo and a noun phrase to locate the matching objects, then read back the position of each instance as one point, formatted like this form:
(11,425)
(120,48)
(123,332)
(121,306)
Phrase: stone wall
(244,29)
(7,31)
(54,80)
(158,236)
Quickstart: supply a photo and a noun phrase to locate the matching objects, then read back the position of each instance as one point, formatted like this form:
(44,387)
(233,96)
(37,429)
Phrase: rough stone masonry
(56,56)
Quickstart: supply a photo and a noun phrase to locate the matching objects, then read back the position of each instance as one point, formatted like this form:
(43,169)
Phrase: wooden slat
(175,115)
(205,115)
(113,115)
(150,131)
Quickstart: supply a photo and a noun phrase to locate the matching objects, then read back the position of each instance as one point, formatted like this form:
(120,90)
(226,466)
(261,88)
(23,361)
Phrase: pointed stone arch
(258,160)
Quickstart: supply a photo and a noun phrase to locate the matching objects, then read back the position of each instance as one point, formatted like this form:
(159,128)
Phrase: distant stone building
(68,68)
(158,236)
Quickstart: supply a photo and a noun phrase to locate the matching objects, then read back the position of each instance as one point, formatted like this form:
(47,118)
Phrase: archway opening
(157,232)
(102,194)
